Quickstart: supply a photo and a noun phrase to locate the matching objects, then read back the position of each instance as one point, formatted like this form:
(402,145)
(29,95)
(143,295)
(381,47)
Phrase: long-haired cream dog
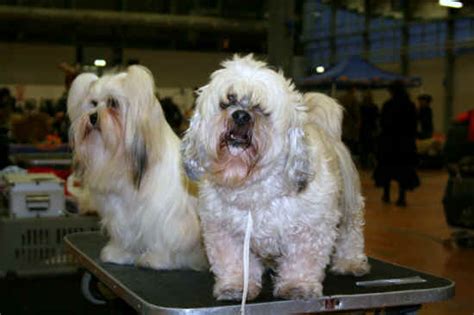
(263,152)
(129,158)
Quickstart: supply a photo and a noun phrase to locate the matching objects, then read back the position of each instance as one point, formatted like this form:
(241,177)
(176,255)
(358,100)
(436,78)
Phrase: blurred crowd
(33,123)
(30,122)
(364,121)
(387,139)
(26,121)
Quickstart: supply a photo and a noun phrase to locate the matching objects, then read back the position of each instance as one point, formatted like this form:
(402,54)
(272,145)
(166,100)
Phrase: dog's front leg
(225,251)
(301,268)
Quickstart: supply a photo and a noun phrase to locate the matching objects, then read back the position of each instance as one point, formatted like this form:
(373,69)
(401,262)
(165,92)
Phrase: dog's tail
(325,112)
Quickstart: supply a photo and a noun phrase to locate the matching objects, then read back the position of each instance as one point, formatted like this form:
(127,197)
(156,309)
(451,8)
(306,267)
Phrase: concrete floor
(418,236)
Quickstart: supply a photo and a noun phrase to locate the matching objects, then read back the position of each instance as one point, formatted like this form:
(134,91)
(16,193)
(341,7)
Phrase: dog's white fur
(131,165)
(296,177)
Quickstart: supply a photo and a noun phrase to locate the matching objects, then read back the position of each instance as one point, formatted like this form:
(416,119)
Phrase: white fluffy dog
(261,150)
(129,158)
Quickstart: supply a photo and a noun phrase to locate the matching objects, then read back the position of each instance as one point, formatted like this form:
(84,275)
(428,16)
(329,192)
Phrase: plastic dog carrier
(34,246)
(34,195)
(458,202)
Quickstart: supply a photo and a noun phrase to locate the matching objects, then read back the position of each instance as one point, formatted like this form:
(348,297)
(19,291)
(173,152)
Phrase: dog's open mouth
(238,137)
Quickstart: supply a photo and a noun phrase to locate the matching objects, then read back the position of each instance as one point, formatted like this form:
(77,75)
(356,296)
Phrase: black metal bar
(333,33)
(405,48)
(449,64)
(366,35)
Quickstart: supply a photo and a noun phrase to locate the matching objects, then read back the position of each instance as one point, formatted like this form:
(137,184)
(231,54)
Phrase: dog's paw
(114,254)
(233,291)
(154,261)
(357,266)
(195,260)
(294,290)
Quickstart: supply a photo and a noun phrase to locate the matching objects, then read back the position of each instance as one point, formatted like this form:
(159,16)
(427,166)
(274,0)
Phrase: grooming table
(189,292)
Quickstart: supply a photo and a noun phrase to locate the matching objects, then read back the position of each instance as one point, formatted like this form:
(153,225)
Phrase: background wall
(33,64)
(32,70)
(177,73)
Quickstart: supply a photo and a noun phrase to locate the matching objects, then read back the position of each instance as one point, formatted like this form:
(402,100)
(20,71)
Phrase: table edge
(322,304)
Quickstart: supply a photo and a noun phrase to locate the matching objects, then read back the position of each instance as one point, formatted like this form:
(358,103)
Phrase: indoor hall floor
(418,236)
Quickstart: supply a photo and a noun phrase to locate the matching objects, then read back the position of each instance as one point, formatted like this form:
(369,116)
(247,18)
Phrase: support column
(117,54)
(367,15)
(280,34)
(79,48)
(333,33)
(405,48)
(117,50)
(308,32)
(449,70)
(79,54)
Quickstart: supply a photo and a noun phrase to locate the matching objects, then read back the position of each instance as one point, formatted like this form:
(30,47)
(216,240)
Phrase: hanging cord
(246,261)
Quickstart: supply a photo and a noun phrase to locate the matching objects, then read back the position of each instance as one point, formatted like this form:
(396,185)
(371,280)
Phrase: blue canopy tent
(355,71)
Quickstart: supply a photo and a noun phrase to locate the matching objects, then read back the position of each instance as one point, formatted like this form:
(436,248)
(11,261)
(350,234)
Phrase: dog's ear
(298,167)
(138,158)
(80,87)
(77,93)
(142,109)
(190,149)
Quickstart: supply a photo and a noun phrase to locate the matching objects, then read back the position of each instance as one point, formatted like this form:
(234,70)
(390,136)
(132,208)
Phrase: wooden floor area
(418,236)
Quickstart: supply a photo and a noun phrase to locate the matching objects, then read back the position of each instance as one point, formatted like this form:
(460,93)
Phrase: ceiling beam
(120,18)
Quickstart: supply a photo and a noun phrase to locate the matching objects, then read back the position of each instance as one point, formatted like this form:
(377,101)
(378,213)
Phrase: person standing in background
(7,104)
(397,156)
(351,119)
(369,116)
(425,117)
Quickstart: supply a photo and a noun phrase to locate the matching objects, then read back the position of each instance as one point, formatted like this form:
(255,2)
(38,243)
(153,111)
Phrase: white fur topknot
(130,162)
(289,168)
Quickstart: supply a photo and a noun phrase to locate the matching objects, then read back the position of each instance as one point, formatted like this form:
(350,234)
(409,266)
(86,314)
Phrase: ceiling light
(451,3)
(320,69)
(100,63)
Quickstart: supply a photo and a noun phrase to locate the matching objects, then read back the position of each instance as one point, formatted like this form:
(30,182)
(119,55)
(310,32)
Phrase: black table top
(165,292)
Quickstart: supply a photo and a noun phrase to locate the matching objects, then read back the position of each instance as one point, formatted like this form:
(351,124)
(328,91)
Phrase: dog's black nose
(93,118)
(241,117)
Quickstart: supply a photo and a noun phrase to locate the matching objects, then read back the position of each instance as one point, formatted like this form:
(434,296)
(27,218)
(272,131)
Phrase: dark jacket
(397,156)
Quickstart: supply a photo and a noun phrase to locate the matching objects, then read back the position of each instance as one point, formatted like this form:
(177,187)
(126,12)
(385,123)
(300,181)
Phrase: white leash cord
(246,261)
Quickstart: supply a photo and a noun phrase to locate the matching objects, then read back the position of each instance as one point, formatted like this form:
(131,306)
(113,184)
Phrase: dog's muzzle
(93,118)
(239,130)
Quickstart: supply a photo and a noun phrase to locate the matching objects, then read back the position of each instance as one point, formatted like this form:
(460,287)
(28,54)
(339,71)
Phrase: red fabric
(468,117)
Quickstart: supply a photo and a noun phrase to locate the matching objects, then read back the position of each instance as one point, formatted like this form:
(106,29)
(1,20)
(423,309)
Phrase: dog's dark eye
(94,103)
(259,109)
(112,103)
(232,98)
(224,105)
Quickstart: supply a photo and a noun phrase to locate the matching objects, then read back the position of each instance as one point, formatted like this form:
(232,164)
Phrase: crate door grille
(37,247)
